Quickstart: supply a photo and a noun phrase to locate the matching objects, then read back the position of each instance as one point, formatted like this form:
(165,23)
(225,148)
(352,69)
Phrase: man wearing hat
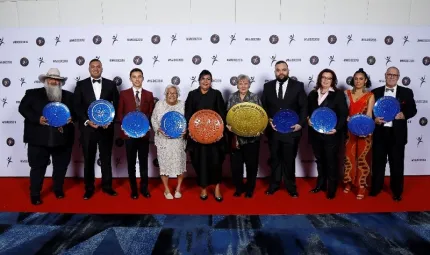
(45,141)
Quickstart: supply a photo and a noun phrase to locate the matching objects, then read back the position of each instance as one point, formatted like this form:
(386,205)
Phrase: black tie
(280,94)
(386,90)
(137,100)
(94,81)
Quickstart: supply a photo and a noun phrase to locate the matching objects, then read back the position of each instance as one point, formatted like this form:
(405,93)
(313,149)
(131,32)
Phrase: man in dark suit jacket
(43,140)
(390,138)
(136,99)
(86,92)
(284,93)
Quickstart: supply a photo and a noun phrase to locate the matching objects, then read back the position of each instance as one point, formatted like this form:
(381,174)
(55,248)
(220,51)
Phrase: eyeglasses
(391,75)
(170,93)
(326,78)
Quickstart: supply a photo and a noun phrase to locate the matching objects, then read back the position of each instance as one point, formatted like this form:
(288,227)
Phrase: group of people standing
(388,140)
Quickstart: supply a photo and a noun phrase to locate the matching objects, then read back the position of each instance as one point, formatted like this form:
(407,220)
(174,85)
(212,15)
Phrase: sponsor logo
(77,40)
(423,80)
(196,60)
(80,60)
(22,80)
(273,39)
(4,101)
(193,80)
(418,160)
(311,39)
(331,59)
(423,121)
(97,39)
(155,39)
(349,80)
(137,60)
(175,80)
(351,60)
(114,39)
(173,37)
(426,61)
(60,61)
(117,80)
(40,41)
(41,61)
(117,60)
(10,141)
(233,80)
(24,61)
(314,60)
(368,39)
(214,59)
(155,58)
(371,60)
(405,39)
(215,39)
(332,39)
(310,80)
(6,82)
(255,60)
(389,40)
(9,160)
(232,38)
(349,39)
(57,40)
(252,39)
(387,60)
(193,39)
(406,81)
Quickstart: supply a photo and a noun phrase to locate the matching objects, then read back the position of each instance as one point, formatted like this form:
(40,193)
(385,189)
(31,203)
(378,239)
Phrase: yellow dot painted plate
(247,119)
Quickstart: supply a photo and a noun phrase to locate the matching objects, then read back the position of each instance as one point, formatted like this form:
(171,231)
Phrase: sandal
(347,188)
(361,193)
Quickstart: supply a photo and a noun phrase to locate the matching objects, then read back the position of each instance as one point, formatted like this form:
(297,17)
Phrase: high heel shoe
(218,199)
(347,188)
(203,197)
(361,193)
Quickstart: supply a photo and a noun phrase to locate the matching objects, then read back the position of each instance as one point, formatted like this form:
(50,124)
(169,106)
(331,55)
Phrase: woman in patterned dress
(170,152)
(357,153)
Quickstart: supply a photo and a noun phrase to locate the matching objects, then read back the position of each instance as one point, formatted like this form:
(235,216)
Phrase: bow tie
(94,81)
(386,90)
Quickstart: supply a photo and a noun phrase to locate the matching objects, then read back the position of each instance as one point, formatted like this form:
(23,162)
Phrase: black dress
(207,159)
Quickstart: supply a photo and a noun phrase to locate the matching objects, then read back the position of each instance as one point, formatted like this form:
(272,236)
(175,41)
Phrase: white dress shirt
(390,94)
(284,88)
(97,87)
(140,92)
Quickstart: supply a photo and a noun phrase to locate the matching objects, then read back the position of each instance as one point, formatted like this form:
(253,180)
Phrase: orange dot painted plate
(206,127)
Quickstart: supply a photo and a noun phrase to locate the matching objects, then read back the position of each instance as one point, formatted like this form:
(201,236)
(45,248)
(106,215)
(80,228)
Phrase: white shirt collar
(137,89)
(330,89)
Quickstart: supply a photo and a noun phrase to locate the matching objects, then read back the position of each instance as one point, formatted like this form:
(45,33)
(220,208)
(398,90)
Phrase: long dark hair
(368,82)
(333,81)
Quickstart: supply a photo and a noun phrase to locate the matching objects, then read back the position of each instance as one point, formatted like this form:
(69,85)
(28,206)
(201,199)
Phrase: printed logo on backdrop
(273,59)
(332,39)
(215,80)
(57,40)
(232,38)
(368,39)
(311,39)
(406,81)
(4,101)
(387,60)
(173,37)
(274,39)
(288,60)
(24,62)
(419,140)
(155,39)
(40,41)
(314,60)
(349,39)
(293,78)
(10,141)
(97,39)
(389,40)
(5,82)
(193,80)
(215,39)
(77,78)
(233,81)
(255,60)
(349,80)
(41,61)
(291,37)
(114,39)
(310,80)
(175,80)
(117,80)
(9,160)
(423,40)
(423,80)
(251,80)
(426,61)
(252,39)
(371,60)
(80,60)
(22,80)
(331,59)
(405,39)
(137,60)
(423,121)
(1,41)
(196,60)
(119,142)
(214,59)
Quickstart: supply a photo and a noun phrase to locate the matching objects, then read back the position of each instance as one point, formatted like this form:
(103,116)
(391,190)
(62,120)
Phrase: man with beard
(43,140)
(284,93)
(87,91)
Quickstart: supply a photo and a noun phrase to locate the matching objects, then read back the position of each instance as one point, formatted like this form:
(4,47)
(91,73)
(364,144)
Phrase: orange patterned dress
(357,153)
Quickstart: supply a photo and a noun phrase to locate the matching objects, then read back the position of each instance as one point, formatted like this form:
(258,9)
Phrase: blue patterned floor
(46,233)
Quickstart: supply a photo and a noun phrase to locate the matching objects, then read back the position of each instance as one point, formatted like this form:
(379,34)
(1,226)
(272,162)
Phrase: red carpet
(15,198)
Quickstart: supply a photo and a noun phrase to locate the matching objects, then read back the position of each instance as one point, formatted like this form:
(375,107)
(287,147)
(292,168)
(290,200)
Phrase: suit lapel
(90,90)
(288,89)
(104,88)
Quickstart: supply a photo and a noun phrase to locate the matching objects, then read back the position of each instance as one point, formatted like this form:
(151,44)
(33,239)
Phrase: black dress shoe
(271,191)
(316,190)
(237,193)
(134,194)
(397,198)
(88,194)
(59,194)
(203,197)
(110,192)
(249,194)
(145,193)
(331,196)
(373,193)
(218,199)
(35,200)
(293,194)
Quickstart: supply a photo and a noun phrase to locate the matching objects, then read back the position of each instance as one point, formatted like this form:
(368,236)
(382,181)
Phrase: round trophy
(206,127)
(387,108)
(284,120)
(101,112)
(247,119)
(57,114)
(323,120)
(135,124)
(361,125)
(173,124)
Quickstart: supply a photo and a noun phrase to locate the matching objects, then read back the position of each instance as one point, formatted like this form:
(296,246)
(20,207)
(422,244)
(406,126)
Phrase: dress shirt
(390,94)
(284,88)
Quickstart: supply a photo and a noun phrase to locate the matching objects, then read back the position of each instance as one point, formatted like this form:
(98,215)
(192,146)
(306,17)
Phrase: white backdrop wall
(177,54)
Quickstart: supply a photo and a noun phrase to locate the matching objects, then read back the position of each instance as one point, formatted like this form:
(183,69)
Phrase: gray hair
(243,77)
(178,90)
(393,67)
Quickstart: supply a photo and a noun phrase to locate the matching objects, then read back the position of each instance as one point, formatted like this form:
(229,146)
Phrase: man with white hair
(44,140)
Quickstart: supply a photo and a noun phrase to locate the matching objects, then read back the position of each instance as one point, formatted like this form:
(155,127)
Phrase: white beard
(53,92)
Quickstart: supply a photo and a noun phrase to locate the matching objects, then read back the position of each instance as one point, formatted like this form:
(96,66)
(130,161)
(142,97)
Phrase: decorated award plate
(101,112)
(206,126)
(361,125)
(323,120)
(173,124)
(247,119)
(135,124)
(56,113)
(386,107)
(284,119)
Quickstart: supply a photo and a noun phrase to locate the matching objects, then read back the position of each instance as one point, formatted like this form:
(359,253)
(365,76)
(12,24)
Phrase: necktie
(137,99)
(386,90)
(94,81)
(280,93)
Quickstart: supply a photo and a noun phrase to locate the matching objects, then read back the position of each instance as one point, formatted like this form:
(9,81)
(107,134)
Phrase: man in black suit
(284,93)
(43,140)
(390,138)
(87,91)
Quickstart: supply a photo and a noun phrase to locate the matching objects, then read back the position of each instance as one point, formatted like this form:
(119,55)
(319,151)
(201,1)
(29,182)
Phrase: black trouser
(104,140)
(283,162)
(248,154)
(326,150)
(38,159)
(137,147)
(396,158)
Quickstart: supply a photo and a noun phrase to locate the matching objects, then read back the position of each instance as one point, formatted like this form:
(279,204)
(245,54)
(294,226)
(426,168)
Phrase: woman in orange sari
(357,154)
